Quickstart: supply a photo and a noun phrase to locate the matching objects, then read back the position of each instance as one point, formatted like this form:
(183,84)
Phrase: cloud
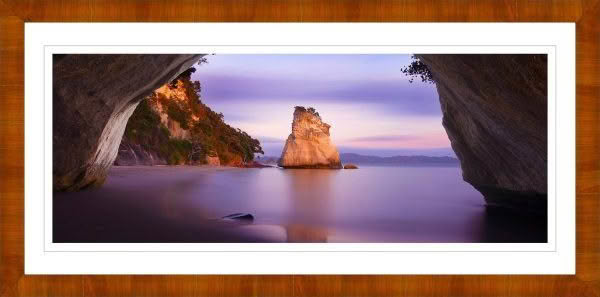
(367,100)
(397,96)
(417,140)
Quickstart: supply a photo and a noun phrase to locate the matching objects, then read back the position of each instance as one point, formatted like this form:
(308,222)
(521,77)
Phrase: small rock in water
(350,166)
(239,216)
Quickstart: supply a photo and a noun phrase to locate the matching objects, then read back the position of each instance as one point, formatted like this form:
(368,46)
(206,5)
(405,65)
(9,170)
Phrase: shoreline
(142,203)
(194,166)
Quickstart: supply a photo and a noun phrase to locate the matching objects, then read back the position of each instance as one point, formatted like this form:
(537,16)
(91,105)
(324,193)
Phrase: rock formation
(213,160)
(178,93)
(495,113)
(93,97)
(132,154)
(350,166)
(309,146)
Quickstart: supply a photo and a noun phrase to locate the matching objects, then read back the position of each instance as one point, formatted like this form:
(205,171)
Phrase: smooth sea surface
(370,204)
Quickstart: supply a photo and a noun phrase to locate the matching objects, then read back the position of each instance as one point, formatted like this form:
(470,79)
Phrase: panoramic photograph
(299,148)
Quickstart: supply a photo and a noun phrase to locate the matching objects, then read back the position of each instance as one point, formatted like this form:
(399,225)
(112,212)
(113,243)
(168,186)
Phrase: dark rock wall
(93,97)
(133,154)
(495,113)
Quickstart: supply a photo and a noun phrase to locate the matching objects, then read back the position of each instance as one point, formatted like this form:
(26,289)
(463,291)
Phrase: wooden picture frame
(14,13)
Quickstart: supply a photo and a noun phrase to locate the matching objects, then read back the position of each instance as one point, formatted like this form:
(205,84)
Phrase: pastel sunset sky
(367,100)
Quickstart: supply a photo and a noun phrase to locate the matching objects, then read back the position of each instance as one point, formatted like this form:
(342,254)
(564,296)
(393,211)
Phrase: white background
(555,257)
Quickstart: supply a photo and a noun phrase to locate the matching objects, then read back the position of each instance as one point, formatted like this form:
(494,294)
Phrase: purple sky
(369,103)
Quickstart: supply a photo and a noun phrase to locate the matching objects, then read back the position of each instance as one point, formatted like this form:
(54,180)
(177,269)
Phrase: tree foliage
(144,128)
(213,135)
(417,69)
(311,110)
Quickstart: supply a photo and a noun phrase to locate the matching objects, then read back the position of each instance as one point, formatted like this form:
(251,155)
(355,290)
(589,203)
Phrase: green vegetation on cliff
(144,128)
(208,134)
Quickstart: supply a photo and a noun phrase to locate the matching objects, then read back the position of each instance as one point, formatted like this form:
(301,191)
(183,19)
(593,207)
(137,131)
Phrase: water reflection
(184,204)
(310,205)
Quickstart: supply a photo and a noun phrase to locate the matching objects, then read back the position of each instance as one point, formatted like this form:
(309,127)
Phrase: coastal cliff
(173,127)
(309,146)
(495,114)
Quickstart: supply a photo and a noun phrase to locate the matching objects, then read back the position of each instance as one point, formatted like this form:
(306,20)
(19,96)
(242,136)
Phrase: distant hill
(397,160)
(267,160)
(375,160)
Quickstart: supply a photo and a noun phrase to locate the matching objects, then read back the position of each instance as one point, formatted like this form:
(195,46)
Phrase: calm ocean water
(371,204)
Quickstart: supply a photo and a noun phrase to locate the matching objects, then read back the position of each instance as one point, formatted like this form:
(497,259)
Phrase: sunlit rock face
(177,93)
(309,146)
(93,97)
(495,113)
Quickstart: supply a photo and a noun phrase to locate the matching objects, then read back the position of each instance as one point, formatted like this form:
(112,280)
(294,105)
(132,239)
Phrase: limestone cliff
(151,133)
(93,97)
(178,93)
(309,146)
(495,113)
(172,126)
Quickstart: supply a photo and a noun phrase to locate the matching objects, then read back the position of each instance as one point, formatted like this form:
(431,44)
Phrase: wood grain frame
(14,13)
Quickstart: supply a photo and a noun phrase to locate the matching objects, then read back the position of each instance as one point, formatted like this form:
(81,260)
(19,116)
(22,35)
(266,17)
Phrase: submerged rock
(495,113)
(309,146)
(239,216)
(350,166)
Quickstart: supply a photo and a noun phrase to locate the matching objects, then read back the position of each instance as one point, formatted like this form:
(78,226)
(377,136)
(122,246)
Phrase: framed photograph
(188,148)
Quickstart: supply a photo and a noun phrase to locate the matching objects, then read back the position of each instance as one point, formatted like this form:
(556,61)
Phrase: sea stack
(309,146)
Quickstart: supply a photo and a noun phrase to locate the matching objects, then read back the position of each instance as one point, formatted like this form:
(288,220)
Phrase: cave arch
(93,97)
(494,110)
